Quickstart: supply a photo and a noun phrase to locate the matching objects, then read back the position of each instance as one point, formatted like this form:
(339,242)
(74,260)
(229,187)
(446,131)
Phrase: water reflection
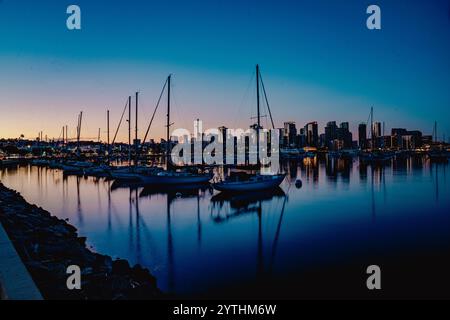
(195,240)
(231,206)
(172,194)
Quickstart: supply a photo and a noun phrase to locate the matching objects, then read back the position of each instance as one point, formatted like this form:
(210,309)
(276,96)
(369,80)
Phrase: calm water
(295,242)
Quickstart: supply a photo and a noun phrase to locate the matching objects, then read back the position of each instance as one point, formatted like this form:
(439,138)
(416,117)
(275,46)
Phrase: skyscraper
(312,134)
(376,129)
(330,133)
(345,125)
(362,135)
(344,135)
(290,133)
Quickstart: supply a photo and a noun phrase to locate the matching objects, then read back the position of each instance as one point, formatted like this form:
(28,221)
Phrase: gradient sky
(318,61)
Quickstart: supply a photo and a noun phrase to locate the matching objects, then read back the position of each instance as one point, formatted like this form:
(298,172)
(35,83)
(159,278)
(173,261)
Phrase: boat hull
(173,180)
(249,186)
(8,163)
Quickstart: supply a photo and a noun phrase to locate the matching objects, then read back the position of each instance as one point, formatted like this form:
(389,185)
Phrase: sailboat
(127,173)
(374,155)
(243,182)
(172,177)
(437,152)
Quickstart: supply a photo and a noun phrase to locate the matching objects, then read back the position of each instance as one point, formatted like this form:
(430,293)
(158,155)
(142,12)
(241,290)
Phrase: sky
(318,60)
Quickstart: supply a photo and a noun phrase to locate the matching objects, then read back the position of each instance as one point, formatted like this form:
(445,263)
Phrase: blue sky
(318,60)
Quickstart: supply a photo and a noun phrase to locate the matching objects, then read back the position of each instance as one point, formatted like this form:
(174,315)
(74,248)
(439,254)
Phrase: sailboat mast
(107,129)
(435,131)
(371,127)
(129,130)
(258,114)
(168,121)
(80,118)
(136,132)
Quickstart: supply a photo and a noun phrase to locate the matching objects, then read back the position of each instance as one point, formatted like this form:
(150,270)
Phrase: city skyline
(310,75)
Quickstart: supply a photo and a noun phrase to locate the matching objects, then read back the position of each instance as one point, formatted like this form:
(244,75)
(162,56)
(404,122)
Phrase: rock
(120,267)
(48,245)
(82,240)
(142,275)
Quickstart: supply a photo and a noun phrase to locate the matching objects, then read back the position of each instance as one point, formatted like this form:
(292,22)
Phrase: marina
(196,241)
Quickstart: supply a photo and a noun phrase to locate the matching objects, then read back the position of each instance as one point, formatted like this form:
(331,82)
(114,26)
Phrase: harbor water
(310,239)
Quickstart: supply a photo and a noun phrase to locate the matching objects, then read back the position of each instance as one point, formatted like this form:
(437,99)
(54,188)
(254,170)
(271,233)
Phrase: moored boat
(174,178)
(438,155)
(249,183)
(8,162)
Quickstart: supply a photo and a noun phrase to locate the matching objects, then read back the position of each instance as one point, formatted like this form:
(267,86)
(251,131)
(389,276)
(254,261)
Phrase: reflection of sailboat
(170,254)
(258,181)
(180,191)
(241,203)
(173,193)
(248,203)
(79,210)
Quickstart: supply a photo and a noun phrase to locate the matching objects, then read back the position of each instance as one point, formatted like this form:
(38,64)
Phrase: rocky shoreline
(48,245)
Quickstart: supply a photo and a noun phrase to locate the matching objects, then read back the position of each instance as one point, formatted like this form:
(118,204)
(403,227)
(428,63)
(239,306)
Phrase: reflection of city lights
(310,161)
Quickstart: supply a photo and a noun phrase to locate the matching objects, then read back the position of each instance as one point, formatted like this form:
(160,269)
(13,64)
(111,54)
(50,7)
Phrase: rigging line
(264,105)
(244,98)
(154,112)
(267,101)
(120,122)
(175,106)
(60,133)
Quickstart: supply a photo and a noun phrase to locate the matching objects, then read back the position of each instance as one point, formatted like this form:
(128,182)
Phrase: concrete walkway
(15,281)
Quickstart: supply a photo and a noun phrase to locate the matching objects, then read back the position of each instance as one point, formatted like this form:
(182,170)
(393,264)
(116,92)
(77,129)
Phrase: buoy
(298,183)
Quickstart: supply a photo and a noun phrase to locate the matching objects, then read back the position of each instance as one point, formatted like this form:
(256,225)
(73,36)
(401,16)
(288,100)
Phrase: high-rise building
(322,141)
(396,137)
(362,135)
(376,129)
(330,133)
(345,126)
(290,133)
(301,138)
(344,135)
(312,134)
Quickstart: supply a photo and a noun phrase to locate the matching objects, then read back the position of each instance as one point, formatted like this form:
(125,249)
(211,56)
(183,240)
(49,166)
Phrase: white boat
(174,178)
(131,173)
(249,183)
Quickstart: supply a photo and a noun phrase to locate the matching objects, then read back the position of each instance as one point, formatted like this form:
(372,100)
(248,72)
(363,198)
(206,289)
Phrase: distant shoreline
(47,245)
